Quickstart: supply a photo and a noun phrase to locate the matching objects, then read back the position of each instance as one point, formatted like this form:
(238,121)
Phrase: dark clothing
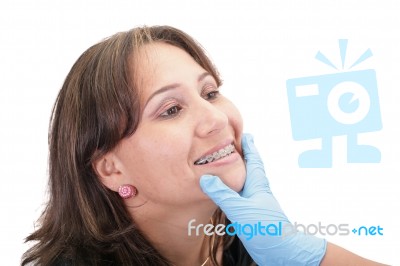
(235,255)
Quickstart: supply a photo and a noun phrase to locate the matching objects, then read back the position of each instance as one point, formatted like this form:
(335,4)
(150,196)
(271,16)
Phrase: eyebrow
(174,86)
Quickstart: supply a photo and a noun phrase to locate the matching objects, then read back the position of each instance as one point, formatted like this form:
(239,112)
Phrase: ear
(107,170)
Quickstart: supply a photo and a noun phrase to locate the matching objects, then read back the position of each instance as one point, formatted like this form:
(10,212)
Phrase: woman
(138,121)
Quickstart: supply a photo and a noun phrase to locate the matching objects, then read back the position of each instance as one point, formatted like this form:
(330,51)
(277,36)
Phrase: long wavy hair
(97,106)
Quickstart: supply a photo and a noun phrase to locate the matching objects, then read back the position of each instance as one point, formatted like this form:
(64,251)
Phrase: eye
(210,92)
(212,95)
(173,111)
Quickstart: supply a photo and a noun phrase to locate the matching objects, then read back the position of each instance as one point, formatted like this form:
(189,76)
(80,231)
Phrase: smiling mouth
(222,153)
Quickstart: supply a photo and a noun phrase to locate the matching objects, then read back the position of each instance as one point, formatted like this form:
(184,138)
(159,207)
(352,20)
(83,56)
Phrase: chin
(235,179)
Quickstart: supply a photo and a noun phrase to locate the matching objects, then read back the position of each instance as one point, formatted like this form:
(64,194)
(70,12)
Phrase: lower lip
(231,158)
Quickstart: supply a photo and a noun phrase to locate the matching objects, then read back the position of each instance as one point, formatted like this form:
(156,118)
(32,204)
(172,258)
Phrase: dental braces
(216,155)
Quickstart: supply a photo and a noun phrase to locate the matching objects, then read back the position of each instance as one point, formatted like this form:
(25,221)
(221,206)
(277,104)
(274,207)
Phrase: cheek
(158,163)
(234,117)
(235,177)
(235,122)
(160,157)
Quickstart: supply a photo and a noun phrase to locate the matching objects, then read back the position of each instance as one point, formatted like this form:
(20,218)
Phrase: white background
(257,46)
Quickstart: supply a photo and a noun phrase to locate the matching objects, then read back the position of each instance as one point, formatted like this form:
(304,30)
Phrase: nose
(210,119)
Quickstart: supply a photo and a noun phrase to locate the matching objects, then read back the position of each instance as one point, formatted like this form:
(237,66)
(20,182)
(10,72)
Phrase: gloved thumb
(220,193)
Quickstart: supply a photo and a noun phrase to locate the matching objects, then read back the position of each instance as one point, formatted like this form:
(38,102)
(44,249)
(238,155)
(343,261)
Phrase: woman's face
(185,121)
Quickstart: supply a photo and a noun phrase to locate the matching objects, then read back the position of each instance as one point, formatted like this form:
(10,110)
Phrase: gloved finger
(220,193)
(256,180)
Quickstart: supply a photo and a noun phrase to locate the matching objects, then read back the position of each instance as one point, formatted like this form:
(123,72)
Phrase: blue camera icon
(330,105)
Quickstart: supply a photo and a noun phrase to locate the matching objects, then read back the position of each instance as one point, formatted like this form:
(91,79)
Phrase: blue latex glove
(282,245)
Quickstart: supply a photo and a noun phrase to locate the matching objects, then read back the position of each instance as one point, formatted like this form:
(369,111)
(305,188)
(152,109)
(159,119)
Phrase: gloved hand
(255,206)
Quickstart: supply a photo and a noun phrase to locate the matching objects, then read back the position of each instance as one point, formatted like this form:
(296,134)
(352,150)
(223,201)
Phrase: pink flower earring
(127,191)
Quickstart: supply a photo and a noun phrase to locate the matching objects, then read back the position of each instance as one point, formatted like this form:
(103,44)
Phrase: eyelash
(210,92)
(168,114)
(212,95)
(176,109)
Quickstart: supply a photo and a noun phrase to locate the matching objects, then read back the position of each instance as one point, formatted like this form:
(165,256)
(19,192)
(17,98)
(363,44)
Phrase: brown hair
(97,106)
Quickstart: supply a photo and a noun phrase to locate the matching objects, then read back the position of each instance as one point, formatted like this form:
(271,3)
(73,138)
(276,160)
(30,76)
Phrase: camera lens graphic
(348,102)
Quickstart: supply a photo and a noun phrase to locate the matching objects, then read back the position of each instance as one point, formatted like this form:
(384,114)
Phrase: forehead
(159,64)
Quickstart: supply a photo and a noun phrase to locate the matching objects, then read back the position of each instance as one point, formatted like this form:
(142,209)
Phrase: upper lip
(216,148)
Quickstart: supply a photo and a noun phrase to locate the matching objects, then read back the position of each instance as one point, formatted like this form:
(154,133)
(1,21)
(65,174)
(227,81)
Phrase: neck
(166,227)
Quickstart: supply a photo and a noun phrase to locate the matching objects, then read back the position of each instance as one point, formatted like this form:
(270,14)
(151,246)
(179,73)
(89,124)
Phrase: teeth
(222,152)
(216,155)
(201,161)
